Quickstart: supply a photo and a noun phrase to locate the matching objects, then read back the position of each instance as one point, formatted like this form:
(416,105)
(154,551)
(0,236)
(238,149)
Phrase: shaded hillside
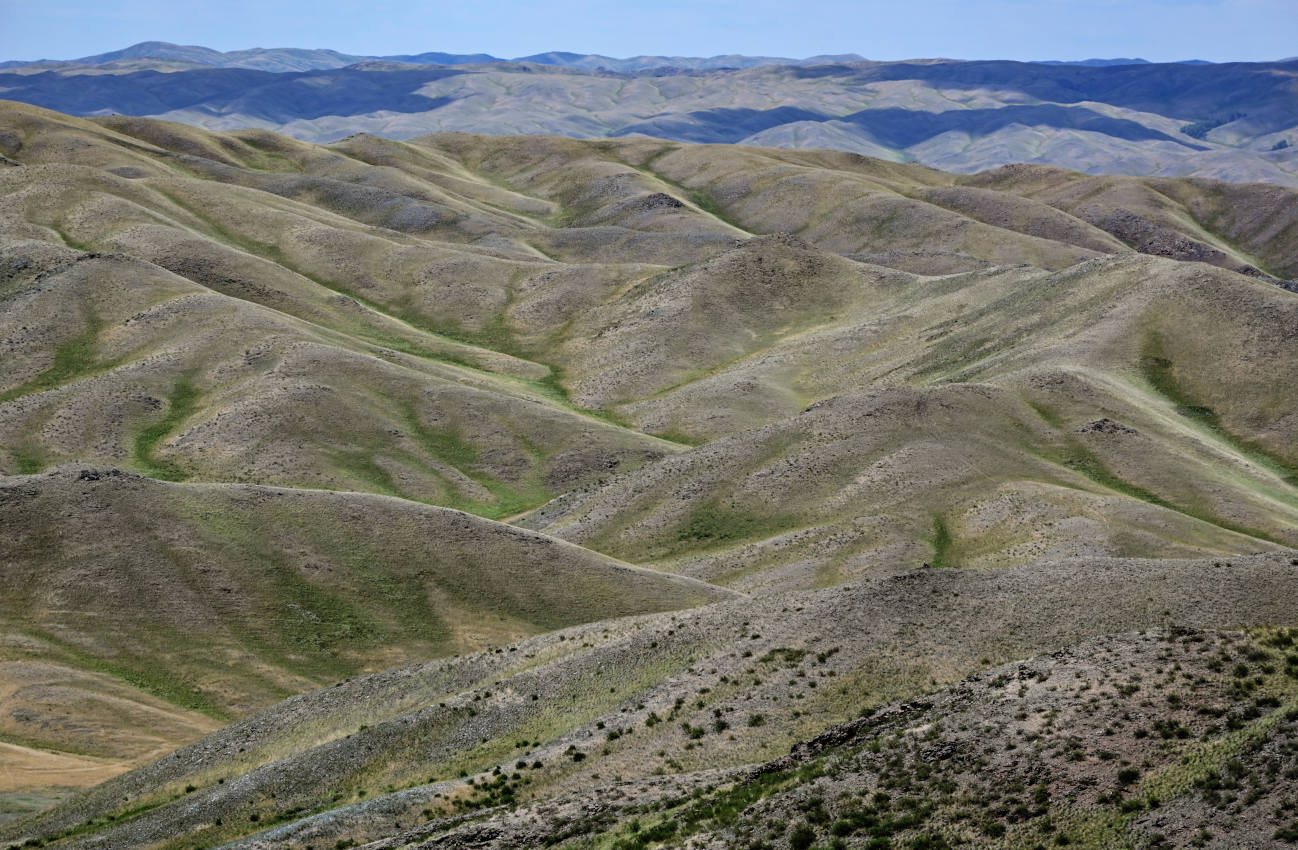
(222,599)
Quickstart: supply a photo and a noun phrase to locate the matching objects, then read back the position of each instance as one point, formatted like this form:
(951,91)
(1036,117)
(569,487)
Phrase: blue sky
(1160,30)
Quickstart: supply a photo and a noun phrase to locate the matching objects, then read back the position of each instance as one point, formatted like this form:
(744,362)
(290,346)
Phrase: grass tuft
(942,542)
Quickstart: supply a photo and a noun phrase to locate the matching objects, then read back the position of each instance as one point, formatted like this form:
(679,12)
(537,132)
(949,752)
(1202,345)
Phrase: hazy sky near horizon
(1159,30)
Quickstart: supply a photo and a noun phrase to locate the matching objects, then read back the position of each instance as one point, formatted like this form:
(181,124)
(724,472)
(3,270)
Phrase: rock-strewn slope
(723,686)
(1163,739)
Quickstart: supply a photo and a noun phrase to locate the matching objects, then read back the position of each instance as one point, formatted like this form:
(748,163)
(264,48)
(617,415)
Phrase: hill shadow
(278,97)
(895,128)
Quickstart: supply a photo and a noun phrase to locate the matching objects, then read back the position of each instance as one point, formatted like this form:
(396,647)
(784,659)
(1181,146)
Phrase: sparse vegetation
(319,361)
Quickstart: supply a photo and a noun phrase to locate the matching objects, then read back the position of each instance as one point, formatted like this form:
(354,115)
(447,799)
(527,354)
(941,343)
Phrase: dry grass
(328,349)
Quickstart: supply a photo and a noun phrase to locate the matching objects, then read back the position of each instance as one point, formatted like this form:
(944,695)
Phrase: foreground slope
(636,701)
(1156,740)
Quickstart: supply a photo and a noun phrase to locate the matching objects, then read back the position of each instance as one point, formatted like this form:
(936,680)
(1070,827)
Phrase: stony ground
(1160,739)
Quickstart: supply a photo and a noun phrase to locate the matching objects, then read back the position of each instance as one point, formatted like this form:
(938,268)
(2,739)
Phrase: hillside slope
(624,432)
(441,321)
(1125,741)
(632,704)
(1232,121)
(215,600)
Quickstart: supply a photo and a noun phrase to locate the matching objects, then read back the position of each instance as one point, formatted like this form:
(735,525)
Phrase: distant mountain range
(1106,63)
(298,59)
(1231,121)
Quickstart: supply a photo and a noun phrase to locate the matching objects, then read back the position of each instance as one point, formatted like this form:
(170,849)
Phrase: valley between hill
(506,491)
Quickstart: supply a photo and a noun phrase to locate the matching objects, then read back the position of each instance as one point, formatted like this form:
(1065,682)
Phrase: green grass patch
(144,677)
(1159,371)
(314,619)
(713,523)
(675,435)
(697,197)
(705,202)
(496,335)
(46,746)
(1048,414)
(73,359)
(28,459)
(448,445)
(942,543)
(955,357)
(445,444)
(402,598)
(360,465)
(180,404)
(1085,462)
(74,244)
(310,626)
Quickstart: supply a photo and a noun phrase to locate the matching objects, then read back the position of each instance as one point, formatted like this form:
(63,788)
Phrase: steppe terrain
(526,490)
(1231,121)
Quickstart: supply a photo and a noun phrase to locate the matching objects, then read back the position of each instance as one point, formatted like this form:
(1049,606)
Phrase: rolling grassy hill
(136,613)
(654,459)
